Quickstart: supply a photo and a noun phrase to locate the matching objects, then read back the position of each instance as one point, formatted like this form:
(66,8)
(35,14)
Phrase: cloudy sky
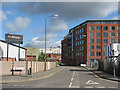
(28,19)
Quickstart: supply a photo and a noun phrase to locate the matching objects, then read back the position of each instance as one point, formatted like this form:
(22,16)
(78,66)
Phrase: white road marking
(71,79)
(91,82)
(70,85)
(100,87)
(75,87)
(88,87)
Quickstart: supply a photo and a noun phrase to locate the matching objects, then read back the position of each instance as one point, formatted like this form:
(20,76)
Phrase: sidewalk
(36,76)
(104,75)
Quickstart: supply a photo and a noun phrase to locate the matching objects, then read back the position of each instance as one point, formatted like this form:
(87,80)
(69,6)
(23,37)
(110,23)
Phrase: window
(118,40)
(78,31)
(98,47)
(91,40)
(82,29)
(112,34)
(91,47)
(105,28)
(98,28)
(98,41)
(98,34)
(91,34)
(105,41)
(76,38)
(75,32)
(91,28)
(78,43)
(105,34)
(82,41)
(118,28)
(112,28)
(80,36)
(82,47)
(82,54)
(105,47)
(118,34)
(112,40)
(98,53)
(91,53)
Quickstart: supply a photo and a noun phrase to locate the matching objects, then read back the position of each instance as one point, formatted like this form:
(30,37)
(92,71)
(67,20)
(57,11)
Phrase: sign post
(13,38)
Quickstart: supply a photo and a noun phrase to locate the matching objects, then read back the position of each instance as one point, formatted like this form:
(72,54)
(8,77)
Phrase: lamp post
(55,15)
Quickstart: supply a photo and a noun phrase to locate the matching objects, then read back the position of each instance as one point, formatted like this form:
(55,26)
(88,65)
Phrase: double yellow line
(31,79)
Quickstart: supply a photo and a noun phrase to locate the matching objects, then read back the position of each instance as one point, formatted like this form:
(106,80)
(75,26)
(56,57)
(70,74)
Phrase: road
(68,77)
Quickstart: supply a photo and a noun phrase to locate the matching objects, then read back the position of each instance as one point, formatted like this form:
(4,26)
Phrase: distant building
(86,42)
(32,53)
(12,52)
(52,53)
(55,50)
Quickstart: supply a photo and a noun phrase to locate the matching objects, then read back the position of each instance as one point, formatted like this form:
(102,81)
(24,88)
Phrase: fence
(36,66)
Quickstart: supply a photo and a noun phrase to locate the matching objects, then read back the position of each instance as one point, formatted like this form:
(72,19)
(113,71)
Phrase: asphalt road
(69,77)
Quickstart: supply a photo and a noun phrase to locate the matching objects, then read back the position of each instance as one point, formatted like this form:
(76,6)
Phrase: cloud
(19,24)
(70,11)
(40,41)
(2,16)
(57,25)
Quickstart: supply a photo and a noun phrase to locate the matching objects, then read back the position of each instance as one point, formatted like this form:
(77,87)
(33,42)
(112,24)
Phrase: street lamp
(55,15)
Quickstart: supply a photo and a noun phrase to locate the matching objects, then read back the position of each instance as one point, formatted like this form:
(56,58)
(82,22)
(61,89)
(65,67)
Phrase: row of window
(105,41)
(80,31)
(80,42)
(79,37)
(105,28)
(80,54)
(80,48)
(92,53)
(105,34)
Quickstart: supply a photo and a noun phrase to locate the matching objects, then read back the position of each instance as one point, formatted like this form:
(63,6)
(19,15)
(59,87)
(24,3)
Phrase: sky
(28,18)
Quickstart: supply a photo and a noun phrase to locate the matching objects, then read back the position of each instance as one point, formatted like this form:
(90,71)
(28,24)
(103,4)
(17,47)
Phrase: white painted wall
(13,51)
(115,47)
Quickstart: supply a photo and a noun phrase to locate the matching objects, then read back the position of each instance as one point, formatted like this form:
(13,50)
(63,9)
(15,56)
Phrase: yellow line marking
(31,79)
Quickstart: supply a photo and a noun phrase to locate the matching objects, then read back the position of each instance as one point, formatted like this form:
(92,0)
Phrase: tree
(41,57)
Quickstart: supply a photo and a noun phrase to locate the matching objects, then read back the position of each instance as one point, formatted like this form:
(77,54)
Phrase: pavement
(60,77)
(35,76)
(104,75)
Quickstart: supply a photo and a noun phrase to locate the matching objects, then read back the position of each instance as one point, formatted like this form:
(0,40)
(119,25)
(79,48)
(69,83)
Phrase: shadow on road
(78,70)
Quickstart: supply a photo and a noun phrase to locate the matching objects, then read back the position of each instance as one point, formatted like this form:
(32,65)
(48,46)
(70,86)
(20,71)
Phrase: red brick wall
(29,58)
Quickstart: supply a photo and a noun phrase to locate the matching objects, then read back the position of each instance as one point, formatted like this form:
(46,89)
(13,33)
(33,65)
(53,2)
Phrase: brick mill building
(86,42)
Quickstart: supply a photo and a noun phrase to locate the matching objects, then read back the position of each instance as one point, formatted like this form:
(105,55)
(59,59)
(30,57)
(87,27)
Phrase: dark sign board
(13,38)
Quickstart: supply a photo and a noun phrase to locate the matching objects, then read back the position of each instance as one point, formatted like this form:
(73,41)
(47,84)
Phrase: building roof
(107,21)
(13,44)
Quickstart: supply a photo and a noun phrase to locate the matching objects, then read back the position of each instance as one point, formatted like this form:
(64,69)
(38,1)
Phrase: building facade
(12,52)
(86,42)
(32,53)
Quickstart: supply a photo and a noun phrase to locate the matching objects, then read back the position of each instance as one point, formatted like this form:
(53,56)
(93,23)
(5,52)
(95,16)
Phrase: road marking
(88,87)
(70,85)
(74,87)
(71,79)
(100,87)
(31,79)
(113,87)
(102,78)
(91,82)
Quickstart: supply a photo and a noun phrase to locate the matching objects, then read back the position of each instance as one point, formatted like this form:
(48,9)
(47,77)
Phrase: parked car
(62,64)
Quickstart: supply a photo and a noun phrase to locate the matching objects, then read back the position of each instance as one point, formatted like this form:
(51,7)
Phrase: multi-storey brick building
(86,42)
